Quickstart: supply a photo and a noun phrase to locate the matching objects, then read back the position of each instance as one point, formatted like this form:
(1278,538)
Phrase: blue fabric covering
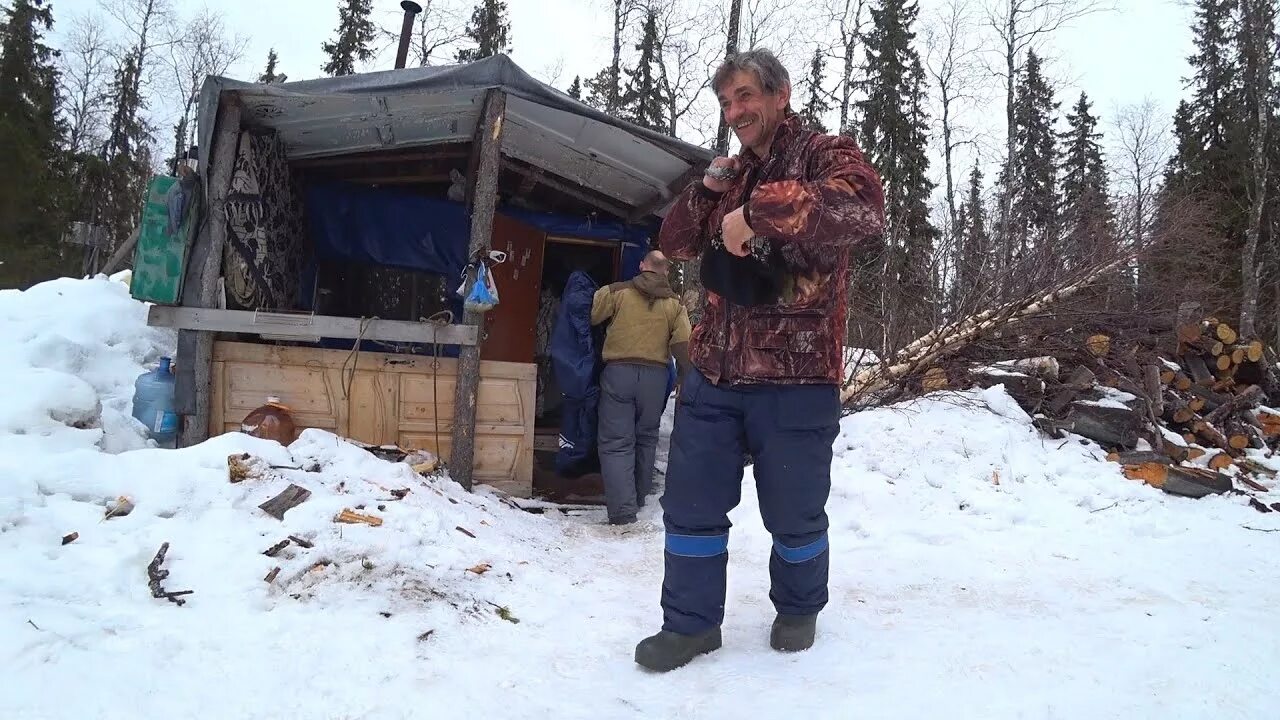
(391,227)
(388,227)
(575,359)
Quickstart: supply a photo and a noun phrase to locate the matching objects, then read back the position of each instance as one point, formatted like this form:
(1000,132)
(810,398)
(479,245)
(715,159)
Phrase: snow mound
(72,351)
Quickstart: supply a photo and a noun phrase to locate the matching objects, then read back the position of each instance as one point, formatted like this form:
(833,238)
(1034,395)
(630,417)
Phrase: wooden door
(510,332)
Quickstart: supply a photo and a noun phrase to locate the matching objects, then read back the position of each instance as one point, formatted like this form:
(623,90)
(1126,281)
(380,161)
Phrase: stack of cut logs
(1199,415)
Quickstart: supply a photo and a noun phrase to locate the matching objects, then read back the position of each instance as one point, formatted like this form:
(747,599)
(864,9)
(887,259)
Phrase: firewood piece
(1270,424)
(1216,348)
(1190,438)
(1223,385)
(156,576)
(271,576)
(1137,457)
(1256,468)
(1226,334)
(1238,354)
(1195,453)
(934,379)
(1245,399)
(1176,453)
(291,497)
(1196,482)
(1212,400)
(1151,473)
(465,531)
(1249,483)
(1199,371)
(1223,363)
(1098,345)
(1221,461)
(1080,379)
(275,549)
(1187,322)
(1155,389)
(1027,391)
(1045,368)
(1108,426)
(1167,376)
(70,538)
(1258,505)
(1182,382)
(350,516)
(1210,434)
(1253,351)
(302,542)
(1177,410)
(1195,405)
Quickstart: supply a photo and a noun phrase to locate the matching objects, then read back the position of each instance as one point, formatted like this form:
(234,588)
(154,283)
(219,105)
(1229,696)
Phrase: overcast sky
(1138,50)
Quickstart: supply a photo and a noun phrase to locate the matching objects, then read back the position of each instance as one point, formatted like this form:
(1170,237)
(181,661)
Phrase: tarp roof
(414,107)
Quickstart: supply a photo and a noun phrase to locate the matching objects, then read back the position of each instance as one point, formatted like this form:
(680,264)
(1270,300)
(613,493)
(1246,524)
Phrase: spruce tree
(355,32)
(1086,213)
(127,156)
(1211,166)
(817,103)
(31,177)
(642,101)
(270,75)
(894,133)
(975,244)
(1035,194)
(489,29)
(575,90)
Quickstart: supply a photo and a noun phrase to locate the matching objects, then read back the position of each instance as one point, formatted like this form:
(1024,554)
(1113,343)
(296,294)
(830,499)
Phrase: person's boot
(667,650)
(793,633)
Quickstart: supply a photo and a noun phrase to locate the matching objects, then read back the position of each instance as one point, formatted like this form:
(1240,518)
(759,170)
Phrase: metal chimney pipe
(406,31)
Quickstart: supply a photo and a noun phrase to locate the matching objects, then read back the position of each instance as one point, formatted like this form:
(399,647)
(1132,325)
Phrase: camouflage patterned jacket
(815,198)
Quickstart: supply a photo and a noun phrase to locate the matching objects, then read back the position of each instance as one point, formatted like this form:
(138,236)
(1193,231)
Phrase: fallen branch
(157,576)
(923,351)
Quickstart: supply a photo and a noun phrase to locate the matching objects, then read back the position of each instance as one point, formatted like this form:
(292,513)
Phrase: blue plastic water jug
(153,404)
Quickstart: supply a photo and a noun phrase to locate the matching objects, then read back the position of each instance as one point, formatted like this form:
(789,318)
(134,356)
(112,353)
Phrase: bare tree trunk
(620,12)
(850,34)
(1258,30)
(731,47)
(1011,169)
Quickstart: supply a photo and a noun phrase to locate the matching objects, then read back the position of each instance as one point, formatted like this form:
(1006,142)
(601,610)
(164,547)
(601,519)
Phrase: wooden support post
(489,154)
(222,162)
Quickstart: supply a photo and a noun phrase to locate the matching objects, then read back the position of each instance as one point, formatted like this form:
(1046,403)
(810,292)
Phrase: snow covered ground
(979,570)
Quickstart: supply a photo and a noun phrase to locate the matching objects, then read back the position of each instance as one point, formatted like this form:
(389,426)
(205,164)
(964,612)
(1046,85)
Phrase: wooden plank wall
(392,399)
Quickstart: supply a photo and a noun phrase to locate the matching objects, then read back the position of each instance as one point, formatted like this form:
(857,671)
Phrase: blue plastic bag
(483,295)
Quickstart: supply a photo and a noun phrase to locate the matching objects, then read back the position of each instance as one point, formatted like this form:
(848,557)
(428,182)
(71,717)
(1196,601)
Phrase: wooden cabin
(341,215)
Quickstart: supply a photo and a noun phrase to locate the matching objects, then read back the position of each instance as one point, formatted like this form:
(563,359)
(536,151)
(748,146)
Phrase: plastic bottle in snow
(153,404)
(272,421)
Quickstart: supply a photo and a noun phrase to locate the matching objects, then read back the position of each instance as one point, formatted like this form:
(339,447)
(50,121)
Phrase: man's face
(753,114)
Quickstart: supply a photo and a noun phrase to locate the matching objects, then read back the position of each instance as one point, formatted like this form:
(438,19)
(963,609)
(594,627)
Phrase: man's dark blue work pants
(788,430)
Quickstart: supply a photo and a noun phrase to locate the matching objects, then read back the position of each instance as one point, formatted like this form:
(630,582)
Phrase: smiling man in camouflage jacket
(774,227)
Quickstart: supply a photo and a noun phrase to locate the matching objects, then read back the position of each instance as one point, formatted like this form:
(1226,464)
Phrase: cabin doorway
(561,257)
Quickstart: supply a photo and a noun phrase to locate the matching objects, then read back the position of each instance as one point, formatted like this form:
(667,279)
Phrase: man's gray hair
(768,70)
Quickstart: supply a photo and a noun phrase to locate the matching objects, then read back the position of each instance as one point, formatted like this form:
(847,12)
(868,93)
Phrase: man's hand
(736,233)
(722,165)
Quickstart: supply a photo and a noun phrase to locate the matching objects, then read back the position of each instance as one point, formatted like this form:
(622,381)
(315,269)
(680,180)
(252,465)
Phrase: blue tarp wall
(405,230)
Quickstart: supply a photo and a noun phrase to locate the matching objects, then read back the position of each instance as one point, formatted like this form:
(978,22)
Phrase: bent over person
(774,227)
(647,326)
